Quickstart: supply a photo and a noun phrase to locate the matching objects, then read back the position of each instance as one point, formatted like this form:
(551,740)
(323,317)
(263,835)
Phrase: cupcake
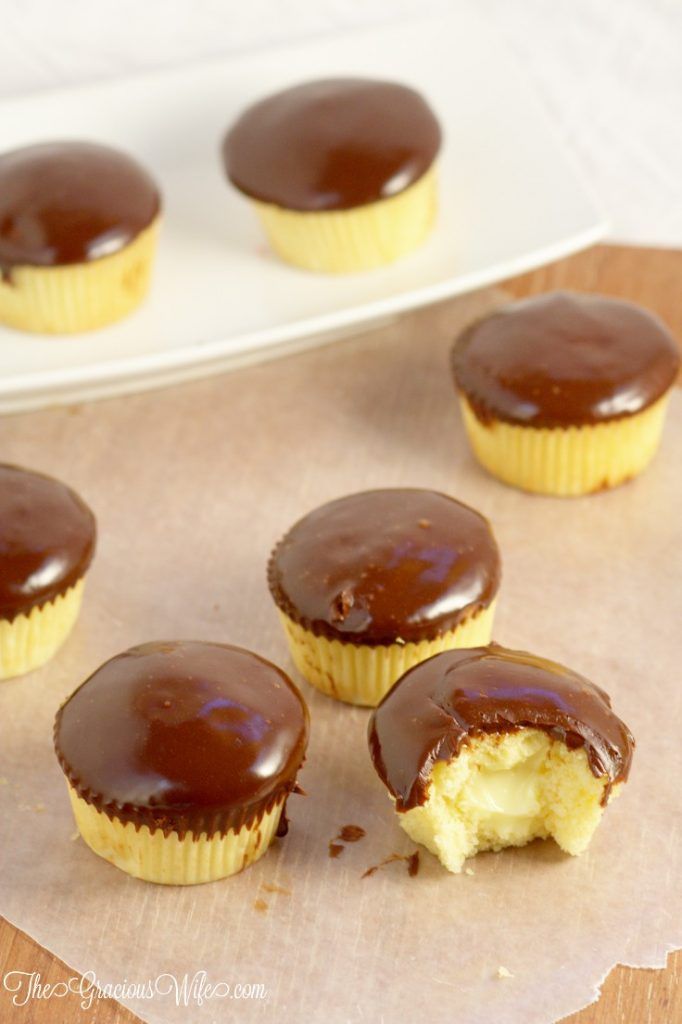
(341,171)
(47,540)
(371,584)
(565,394)
(490,748)
(179,758)
(78,226)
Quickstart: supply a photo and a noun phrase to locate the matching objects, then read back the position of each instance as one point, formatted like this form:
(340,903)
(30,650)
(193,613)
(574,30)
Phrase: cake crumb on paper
(271,887)
(468,871)
(503,972)
(74,836)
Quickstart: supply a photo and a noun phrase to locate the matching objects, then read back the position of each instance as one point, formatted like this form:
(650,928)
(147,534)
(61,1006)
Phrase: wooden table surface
(652,277)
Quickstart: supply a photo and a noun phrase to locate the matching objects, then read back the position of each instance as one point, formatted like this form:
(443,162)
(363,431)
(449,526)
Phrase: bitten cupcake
(78,227)
(370,584)
(565,394)
(179,759)
(490,748)
(47,540)
(341,171)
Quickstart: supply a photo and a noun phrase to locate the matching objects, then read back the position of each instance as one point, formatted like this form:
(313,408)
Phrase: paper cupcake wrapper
(81,296)
(342,241)
(28,641)
(360,674)
(168,859)
(567,461)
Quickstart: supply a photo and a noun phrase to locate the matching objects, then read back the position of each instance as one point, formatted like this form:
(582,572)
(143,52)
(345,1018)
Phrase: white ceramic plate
(510,201)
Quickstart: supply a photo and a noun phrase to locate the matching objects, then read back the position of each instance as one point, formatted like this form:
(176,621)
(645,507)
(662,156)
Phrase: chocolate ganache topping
(386,565)
(184,736)
(71,202)
(47,539)
(444,702)
(332,144)
(564,359)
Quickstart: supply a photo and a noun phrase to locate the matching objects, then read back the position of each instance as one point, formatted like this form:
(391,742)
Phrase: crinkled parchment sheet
(191,487)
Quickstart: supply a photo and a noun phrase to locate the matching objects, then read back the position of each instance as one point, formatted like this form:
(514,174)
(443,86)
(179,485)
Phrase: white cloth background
(609,74)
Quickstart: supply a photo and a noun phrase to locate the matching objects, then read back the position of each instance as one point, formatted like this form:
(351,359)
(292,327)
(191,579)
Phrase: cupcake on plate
(47,541)
(489,748)
(370,584)
(179,759)
(341,171)
(78,227)
(565,394)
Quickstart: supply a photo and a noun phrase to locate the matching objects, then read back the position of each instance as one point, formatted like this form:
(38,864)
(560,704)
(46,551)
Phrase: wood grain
(651,277)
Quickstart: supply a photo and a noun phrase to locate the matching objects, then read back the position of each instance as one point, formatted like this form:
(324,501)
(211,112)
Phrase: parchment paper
(191,487)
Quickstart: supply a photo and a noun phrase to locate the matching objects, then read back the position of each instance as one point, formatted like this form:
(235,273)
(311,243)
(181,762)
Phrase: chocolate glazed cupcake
(78,227)
(489,748)
(565,394)
(341,171)
(47,541)
(180,757)
(371,584)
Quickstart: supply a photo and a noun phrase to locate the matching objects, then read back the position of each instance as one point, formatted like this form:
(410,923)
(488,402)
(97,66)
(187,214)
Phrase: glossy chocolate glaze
(47,539)
(71,202)
(564,359)
(442,703)
(332,144)
(184,736)
(380,566)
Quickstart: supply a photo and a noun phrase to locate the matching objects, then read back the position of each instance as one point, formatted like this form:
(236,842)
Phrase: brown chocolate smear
(260,905)
(413,864)
(564,359)
(47,539)
(351,833)
(184,736)
(332,144)
(335,850)
(71,202)
(369,554)
(440,704)
(411,860)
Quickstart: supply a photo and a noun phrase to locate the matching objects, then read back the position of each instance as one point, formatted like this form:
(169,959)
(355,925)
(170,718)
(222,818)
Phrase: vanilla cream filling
(507,789)
(510,792)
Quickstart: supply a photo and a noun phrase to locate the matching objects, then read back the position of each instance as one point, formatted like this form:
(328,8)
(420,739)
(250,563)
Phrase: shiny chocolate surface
(47,539)
(444,702)
(332,144)
(71,202)
(396,564)
(184,736)
(562,359)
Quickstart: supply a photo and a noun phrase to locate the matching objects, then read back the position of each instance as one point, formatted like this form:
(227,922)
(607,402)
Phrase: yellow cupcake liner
(28,641)
(360,674)
(81,296)
(168,859)
(567,461)
(342,241)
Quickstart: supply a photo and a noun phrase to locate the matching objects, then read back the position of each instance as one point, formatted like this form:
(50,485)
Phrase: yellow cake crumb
(503,972)
(507,789)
